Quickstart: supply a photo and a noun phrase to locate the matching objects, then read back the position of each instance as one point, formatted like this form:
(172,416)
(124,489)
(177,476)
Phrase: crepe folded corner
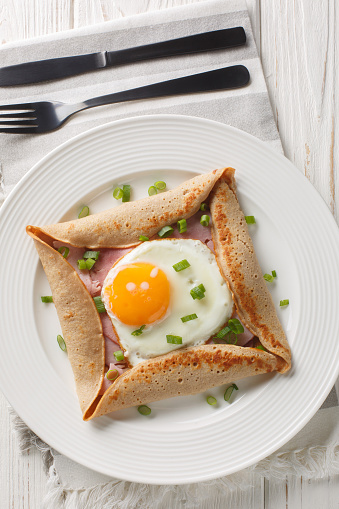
(184,371)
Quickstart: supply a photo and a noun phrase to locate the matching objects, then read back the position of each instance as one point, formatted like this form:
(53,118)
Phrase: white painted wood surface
(298,43)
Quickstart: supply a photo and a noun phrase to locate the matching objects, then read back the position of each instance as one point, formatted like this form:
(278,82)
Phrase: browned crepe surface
(183,371)
(122,226)
(240,267)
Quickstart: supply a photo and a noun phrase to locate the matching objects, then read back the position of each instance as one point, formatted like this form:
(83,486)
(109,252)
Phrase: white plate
(185,440)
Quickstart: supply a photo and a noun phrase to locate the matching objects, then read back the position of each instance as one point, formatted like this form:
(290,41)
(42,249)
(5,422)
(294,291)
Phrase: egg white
(213,310)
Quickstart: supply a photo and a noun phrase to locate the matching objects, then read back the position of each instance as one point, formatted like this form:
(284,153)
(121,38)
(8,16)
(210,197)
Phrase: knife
(56,68)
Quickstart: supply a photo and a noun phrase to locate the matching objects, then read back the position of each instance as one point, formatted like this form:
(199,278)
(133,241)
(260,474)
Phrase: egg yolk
(139,294)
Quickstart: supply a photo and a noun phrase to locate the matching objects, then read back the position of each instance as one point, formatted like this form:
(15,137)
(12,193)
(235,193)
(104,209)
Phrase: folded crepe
(184,371)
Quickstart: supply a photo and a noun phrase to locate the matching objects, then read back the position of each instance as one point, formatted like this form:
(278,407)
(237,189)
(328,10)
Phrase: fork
(45,116)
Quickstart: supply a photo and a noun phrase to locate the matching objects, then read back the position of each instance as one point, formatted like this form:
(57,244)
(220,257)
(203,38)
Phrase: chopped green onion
(223,332)
(64,251)
(250,219)
(84,212)
(181,265)
(47,298)
(126,193)
(284,302)
(236,326)
(274,274)
(211,400)
(229,392)
(119,355)
(203,206)
(160,184)
(117,193)
(269,278)
(112,374)
(89,263)
(260,347)
(138,331)
(92,254)
(204,220)
(82,264)
(152,190)
(174,340)
(182,225)
(99,304)
(188,318)
(61,343)
(144,410)
(198,292)
(143,238)
(166,231)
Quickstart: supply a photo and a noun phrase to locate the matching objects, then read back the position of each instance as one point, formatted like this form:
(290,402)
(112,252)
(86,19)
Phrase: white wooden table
(298,44)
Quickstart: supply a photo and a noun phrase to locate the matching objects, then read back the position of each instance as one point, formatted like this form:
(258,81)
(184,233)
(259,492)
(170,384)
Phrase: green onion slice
(138,331)
(182,225)
(92,254)
(144,410)
(284,302)
(160,184)
(222,333)
(235,325)
(174,340)
(198,292)
(112,374)
(250,219)
(89,263)
(61,343)
(143,238)
(82,264)
(260,347)
(166,231)
(126,193)
(47,298)
(274,274)
(99,304)
(211,400)
(188,318)
(203,206)
(117,193)
(84,212)
(205,220)
(64,251)
(152,190)
(183,264)
(269,278)
(229,392)
(119,355)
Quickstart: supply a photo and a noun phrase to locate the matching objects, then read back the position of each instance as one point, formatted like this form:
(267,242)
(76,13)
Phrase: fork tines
(18,112)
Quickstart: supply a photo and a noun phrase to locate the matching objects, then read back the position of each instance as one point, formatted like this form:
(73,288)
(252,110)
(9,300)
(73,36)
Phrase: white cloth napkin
(313,452)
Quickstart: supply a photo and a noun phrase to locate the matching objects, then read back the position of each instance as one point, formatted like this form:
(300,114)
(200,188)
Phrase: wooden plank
(275,494)
(294,493)
(22,479)
(298,57)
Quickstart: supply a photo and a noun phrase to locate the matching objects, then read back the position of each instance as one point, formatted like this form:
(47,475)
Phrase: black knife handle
(218,39)
(220,79)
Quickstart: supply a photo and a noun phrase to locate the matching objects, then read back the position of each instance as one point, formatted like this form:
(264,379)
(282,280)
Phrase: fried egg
(143,292)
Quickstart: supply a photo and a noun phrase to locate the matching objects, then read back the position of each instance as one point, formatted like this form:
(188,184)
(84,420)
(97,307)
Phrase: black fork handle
(220,79)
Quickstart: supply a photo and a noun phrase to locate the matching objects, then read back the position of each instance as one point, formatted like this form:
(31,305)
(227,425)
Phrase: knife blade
(63,67)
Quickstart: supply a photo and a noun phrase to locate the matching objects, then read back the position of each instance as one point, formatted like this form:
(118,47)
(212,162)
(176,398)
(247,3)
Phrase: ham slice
(106,260)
